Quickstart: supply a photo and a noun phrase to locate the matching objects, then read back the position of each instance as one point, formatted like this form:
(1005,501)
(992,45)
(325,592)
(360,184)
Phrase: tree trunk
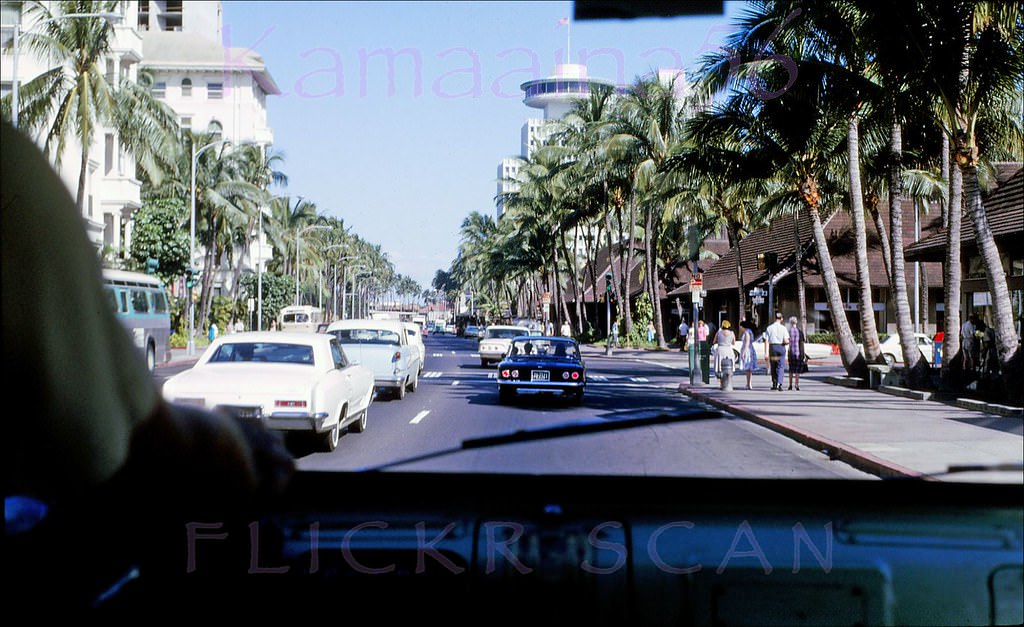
(952,275)
(741,289)
(865,304)
(83,175)
(616,276)
(650,240)
(801,289)
(915,368)
(853,361)
(1002,308)
(883,238)
(627,303)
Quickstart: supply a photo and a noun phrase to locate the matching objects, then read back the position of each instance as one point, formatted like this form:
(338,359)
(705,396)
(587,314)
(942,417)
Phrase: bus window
(159,303)
(112,295)
(140,303)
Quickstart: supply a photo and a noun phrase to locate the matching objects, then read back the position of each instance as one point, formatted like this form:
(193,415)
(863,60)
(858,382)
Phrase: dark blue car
(542,363)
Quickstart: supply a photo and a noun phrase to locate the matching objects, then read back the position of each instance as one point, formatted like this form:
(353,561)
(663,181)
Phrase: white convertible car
(288,381)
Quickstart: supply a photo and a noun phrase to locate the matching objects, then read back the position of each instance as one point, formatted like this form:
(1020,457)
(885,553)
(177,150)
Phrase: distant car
(496,341)
(437,328)
(415,334)
(289,381)
(449,328)
(472,331)
(892,350)
(383,346)
(542,363)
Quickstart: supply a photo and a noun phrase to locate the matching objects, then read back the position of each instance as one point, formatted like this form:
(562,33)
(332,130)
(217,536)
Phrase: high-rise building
(111,191)
(555,96)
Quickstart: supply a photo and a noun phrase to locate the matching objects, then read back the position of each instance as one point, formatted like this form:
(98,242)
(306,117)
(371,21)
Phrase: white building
(112,193)
(555,95)
(211,88)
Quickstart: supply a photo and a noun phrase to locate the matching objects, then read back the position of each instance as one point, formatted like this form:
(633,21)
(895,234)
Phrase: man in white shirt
(776,336)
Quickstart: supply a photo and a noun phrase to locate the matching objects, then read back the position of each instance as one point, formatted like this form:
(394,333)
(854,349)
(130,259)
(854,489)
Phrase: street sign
(545,299)
(697,284)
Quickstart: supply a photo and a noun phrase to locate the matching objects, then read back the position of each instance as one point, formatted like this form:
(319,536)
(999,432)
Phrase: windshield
(623,193)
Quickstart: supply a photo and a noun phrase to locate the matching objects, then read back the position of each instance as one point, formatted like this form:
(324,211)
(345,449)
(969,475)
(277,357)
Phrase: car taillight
(515,374)
(565,375)
(575,376)
(504,373)
(397,356)
(289,403)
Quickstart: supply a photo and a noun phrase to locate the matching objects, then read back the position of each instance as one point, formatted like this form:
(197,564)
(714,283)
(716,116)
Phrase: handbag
(803,364)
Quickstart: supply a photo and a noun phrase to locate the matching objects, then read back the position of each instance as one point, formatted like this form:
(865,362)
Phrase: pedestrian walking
(796,352)
(650,331)
(549,328)
(273,325)
(615,334)
(702,331)
(212,334)
(566,329)
(748,354)
(725,361)
(967,342)
(684,331)
(776,337)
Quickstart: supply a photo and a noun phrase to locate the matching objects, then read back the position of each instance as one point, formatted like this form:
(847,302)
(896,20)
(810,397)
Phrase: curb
(855,457)
(905,392)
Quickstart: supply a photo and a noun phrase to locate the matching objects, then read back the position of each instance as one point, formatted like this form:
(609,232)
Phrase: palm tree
(75,98)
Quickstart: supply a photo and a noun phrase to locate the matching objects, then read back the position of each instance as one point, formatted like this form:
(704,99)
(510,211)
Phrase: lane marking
(492,375)
(420,416)
(437,354)
(455,383)
(597,377)
(638,379)
(432,374)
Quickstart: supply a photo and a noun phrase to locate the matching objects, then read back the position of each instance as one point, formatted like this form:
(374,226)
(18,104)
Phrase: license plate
(540,375)
(244,413)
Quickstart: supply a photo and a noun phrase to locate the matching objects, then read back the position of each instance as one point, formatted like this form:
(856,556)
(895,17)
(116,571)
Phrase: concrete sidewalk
(886,435)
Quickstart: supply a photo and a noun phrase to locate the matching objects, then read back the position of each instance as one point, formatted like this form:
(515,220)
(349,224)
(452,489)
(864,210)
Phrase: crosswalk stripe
(432,374)
(638,379)
(420,416)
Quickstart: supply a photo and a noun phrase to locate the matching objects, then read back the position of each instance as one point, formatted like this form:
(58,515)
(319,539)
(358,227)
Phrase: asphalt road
(457,400)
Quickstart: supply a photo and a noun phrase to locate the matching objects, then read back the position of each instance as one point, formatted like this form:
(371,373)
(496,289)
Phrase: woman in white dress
(724,341)
(748,354)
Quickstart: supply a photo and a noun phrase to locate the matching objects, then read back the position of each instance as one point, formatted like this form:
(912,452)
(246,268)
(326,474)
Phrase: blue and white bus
(141,304)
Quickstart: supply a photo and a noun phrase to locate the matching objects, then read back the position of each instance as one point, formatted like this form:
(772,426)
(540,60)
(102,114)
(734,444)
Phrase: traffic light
(767,261)
(152,265)
(608,282)
(191,277)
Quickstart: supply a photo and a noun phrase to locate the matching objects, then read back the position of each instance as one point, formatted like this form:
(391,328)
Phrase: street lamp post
(344,291)
(111,17)
(334,289)
(298,250)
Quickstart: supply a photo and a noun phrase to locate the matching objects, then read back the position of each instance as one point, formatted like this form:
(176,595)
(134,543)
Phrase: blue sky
(404,154)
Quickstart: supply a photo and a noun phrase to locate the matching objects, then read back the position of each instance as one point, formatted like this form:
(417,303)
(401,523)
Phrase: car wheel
(400,392)
(151,358)
(890,360)
(484,363)
(359,426)
(415,383)
(331,437)
(505,394)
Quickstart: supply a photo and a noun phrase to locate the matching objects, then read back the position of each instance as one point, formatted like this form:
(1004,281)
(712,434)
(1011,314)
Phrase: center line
(420,416)
(455,382)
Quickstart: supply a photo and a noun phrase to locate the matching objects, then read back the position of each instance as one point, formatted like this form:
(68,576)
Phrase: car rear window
(268,352)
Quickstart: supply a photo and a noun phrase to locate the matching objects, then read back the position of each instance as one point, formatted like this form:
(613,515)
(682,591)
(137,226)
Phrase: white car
(289,381)
(415,334)
(813,350)
(384,347)
(496,342)
(892,350)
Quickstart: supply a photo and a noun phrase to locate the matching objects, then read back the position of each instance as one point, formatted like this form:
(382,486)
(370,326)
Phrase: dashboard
(540,550)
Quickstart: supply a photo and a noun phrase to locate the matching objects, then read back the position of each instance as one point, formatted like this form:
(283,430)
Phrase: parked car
(383,346)
(892,350)
(813,349)
(289,381)
(415,335)
(496,341)
(450,329)
(472,331)
(542,363)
